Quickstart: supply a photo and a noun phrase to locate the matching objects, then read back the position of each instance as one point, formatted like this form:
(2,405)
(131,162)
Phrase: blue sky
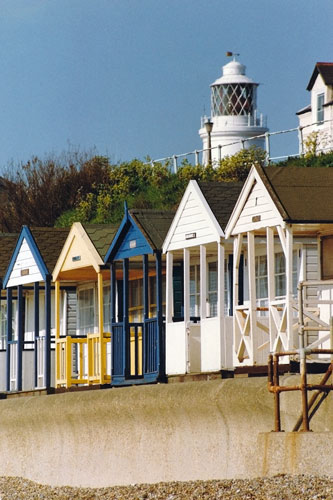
(130,78)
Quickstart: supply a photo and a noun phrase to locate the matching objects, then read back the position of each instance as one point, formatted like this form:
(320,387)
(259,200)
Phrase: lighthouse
(235,122)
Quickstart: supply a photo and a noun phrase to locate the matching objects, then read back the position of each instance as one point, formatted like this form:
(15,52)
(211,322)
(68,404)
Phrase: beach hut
(279,224)
(199,280)
(30,316)
(7,245)
(138,280)
(83,345)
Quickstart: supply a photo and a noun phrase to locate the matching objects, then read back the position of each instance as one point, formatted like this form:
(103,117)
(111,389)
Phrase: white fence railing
(198,154)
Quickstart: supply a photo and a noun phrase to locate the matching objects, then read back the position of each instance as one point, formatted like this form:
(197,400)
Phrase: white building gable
(194,222)
(254,209)
(25,269)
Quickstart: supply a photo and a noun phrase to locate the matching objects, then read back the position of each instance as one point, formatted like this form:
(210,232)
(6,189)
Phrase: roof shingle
(305,193)
(101,235)
(154,224)
(221,198)
(49,241)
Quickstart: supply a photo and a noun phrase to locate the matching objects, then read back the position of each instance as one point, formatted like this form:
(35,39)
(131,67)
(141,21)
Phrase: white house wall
(309,119)
(193,221)
(24,261)
(176,348)
(258,204)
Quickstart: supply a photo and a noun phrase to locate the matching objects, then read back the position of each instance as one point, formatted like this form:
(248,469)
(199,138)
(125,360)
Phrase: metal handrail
(174,158)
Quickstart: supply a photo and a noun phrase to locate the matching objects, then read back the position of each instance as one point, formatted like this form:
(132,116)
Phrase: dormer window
(320,108)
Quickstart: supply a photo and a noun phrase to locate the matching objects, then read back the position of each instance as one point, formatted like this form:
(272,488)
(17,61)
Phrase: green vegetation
(88,188)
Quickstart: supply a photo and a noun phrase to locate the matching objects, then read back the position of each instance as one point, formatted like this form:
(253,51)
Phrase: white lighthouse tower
(234,116)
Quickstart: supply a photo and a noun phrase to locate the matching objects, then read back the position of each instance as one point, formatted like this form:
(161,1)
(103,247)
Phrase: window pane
(280,285)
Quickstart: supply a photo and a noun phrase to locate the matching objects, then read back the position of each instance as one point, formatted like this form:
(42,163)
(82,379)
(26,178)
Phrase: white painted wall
(175,340)
(211,333)
(194,347)
(325,130)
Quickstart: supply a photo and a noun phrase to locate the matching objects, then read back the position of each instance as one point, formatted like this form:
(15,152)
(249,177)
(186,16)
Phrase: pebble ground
(281,487)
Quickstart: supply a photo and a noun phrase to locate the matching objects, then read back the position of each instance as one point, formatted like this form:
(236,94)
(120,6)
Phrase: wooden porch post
(9,334)
(252,297)
(203,282)
(126,340)
(237,250)
(36,329)
(20,336)
(186,254)
(160,332)
(100,327)
(220,280)
(186,285)
(236,259)
(289,285)
(225,346)
(270,284)
(113,293)
(145,285)
(47,361)
(169,287)
(57,330)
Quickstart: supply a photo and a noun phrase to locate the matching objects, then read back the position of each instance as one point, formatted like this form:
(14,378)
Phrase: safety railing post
(174,164)
(196,153)
(267,147)
(219,152)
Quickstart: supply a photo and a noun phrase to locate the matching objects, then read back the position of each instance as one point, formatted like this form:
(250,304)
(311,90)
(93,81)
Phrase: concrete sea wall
(189,431)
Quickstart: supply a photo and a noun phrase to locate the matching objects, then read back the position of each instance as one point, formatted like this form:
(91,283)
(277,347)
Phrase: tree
(38,192)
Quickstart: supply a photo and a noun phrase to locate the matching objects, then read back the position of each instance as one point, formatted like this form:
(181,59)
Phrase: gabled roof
(101,235)
(304,194)
(298,195)
(85,247)
(221,198)
(7,245)
(141,231)
(49,241)
(154,224)
(325,69)
(203,212)
(44,245)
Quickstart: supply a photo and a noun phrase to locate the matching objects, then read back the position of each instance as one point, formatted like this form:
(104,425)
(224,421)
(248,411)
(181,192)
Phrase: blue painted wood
(36,329)
(113,292)
(109,257)
(151,346)
(128,242)
(118,365)
(9,334)
(20,336)
(26,234)
(160,348)
(133,243)
(126,351)
(47,354)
